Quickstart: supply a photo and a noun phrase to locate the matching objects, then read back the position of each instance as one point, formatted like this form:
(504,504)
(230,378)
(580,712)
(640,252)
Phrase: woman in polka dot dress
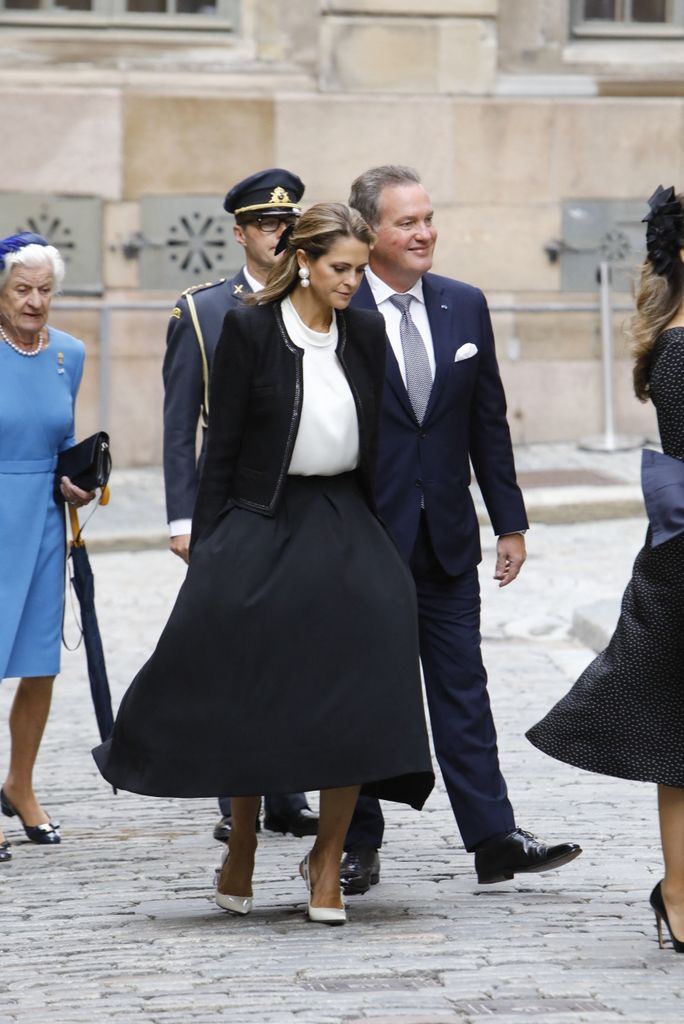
(625,714)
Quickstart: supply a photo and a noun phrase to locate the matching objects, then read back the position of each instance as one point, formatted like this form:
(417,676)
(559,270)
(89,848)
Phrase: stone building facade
(539,127)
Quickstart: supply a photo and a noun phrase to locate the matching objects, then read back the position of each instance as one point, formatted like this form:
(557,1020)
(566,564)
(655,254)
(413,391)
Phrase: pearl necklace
(21,351)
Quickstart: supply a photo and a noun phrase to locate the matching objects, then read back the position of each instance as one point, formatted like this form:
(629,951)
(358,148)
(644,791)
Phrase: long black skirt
(625,714)
(289,662)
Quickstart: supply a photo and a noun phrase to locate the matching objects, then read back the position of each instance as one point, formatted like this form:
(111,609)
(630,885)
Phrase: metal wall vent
(185,240)
(601,229)
(73,224)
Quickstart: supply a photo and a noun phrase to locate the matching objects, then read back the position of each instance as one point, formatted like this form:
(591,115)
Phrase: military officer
(263,205)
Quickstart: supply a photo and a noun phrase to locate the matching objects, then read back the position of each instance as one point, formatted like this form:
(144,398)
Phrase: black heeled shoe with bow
(658,904)
(45,834)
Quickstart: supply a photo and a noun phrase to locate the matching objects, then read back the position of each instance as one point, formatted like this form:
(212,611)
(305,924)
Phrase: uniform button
(423,434)
(419,483)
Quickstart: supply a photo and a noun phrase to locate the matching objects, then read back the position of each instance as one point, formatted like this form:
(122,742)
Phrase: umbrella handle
(73,518)
(76,540)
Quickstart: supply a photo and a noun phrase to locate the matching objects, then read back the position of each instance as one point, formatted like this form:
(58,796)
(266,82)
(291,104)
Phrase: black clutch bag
(88,464)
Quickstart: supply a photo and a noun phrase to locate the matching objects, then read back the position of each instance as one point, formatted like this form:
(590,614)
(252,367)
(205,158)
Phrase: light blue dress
(37,397)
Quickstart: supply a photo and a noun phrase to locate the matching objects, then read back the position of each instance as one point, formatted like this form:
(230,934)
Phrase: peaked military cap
(275,191)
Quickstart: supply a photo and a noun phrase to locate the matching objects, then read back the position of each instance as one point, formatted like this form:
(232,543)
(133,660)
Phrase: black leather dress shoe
(360,868)
(223,826)
(300,823)
(5,853)
(222,829)
(520,853)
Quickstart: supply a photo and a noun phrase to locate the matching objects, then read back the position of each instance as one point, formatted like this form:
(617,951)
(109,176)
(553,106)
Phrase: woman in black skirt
(295,597)
(625,714)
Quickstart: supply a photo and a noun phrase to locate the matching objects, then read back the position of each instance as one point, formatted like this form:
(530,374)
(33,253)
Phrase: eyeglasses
(269,225)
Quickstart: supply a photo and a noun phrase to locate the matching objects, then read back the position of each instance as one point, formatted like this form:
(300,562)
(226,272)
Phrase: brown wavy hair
(658,300)
(315,232)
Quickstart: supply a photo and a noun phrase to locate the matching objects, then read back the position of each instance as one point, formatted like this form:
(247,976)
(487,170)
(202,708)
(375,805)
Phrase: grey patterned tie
(418,372)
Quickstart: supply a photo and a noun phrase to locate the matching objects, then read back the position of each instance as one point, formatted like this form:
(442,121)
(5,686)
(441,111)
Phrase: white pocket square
(466,351)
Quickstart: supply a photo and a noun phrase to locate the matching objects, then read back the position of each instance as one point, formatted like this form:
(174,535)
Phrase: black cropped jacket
(255,406)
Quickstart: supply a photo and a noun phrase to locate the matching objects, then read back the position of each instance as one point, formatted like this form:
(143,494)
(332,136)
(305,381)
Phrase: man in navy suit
(443,409)
(264,205)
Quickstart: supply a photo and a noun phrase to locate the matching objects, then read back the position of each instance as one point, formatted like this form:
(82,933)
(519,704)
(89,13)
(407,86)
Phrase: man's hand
(180,546)
(510,555)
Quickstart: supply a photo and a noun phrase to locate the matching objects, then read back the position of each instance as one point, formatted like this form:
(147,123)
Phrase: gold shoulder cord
(205,366)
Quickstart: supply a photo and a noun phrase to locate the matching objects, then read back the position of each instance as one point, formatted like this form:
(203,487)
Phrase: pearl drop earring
(304,277)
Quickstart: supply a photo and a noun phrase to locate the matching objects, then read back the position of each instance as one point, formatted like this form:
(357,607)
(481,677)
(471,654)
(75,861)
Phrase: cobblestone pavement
(118,923)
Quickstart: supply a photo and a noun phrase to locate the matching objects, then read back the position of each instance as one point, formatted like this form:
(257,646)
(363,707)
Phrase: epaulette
(198,287)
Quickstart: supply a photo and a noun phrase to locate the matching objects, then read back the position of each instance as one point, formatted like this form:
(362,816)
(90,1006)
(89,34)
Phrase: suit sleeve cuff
(179,527)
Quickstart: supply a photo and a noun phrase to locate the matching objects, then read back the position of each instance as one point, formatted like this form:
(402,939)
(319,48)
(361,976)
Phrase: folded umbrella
(83,581)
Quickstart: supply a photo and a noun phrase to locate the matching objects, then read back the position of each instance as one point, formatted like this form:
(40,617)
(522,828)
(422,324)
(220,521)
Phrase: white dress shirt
(328,437)
(382,294)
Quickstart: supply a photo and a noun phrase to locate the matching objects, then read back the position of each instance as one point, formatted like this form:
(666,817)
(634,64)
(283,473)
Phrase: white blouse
(328,437)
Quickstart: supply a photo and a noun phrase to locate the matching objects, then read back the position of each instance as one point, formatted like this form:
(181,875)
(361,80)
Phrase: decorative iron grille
(185,240)
(73,224)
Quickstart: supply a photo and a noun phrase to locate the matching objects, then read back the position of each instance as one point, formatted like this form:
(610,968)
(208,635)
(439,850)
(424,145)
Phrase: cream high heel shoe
(233,904)
(321,915)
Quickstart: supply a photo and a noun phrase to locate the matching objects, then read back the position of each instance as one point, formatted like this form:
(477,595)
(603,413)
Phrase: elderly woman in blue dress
(40,372)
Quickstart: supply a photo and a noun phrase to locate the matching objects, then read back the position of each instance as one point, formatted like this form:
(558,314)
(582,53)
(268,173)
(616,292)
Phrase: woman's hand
(73,495)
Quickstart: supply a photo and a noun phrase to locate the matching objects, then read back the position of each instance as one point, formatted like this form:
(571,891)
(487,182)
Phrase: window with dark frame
(655,11)
(121,11)
(634,19)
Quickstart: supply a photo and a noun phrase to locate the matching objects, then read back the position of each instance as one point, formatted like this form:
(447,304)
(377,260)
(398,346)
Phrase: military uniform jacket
(191,339)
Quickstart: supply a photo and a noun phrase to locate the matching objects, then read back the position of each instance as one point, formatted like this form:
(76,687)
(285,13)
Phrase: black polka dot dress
(625,714)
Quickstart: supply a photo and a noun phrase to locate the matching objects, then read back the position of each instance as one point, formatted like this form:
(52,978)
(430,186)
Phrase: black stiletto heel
(46,834)
(658,904)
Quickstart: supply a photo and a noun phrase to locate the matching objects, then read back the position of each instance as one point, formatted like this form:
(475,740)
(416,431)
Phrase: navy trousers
(460,714)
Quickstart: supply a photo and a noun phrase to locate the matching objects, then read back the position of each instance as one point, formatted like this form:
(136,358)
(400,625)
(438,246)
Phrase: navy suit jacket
(184,385)
(465,422)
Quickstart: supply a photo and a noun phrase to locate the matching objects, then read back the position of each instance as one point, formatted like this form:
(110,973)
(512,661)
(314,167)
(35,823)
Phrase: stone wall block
(63,141)
(380,55)
(408,55)
(498,247)
(330,140)
(503,151)
(615,148)
(561,400)
(467,56)
(135,385)
(193,144)
(121,222)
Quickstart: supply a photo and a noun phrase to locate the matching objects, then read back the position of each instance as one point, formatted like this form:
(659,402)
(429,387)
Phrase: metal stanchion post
(609,441)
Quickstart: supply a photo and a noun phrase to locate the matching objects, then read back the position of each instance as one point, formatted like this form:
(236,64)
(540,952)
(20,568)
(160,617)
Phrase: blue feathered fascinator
(13,243)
